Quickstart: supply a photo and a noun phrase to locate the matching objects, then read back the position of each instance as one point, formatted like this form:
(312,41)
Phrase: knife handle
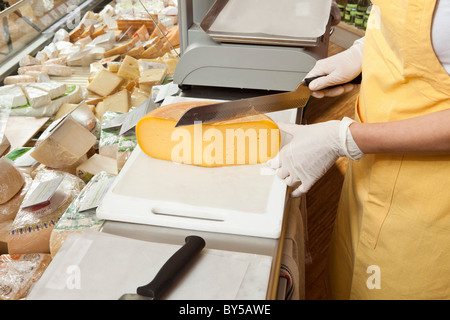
(356,80)
(173,268)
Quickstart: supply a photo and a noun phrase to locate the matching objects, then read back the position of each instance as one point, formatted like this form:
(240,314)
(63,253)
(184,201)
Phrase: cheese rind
(36,97)
(248,140)
(11,180)
(32,227)
(53,88)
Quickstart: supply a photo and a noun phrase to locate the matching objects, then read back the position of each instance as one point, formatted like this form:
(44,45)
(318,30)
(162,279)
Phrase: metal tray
(250,38)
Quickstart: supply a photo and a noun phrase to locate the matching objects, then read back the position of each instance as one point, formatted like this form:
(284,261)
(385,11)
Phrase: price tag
(43,192)
(133,117)
(166,90)
(95,195)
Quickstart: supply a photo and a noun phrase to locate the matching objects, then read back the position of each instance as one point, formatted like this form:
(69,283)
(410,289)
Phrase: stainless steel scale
(214,52)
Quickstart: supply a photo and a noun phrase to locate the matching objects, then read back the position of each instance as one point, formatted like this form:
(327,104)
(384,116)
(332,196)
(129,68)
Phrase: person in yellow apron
(392,231)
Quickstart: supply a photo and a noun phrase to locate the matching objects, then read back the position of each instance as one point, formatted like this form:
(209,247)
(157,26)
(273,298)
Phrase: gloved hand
(312,151)
(335,70)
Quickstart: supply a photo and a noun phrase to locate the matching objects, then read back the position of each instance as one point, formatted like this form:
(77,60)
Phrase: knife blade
(169,272)
(244,107)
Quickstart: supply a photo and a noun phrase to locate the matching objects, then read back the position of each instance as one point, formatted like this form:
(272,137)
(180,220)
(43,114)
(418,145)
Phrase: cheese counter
(79,192)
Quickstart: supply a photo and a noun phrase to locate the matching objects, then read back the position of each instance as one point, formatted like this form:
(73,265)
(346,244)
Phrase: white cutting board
(245,200)
(100,266)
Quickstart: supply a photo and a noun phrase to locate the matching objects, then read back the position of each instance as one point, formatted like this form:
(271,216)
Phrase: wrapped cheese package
(109,136)
(19,272)
(31,229)
(76,220)
(245,140)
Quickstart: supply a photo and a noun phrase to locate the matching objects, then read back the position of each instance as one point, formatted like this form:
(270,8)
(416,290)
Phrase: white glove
(312,151)
(335,70)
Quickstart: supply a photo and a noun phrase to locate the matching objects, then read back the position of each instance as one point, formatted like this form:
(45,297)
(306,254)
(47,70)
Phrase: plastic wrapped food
(109,137)
(18,273)
(126,146)
(30,232)
(74,221)
(74,95)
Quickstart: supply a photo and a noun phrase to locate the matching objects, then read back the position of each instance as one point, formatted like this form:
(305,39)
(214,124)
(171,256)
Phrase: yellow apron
(392,231)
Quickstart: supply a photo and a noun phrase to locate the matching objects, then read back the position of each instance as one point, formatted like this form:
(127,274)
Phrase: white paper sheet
(290,18)
(100,266)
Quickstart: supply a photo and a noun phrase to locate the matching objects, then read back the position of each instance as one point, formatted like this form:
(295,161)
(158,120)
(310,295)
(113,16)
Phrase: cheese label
(95,194)
(43,192)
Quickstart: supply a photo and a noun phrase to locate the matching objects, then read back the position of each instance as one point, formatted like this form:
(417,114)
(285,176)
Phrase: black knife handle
(173,268)
(356,80)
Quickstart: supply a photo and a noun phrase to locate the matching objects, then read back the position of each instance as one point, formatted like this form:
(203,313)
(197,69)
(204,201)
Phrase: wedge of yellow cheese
(129,69)
(241,141)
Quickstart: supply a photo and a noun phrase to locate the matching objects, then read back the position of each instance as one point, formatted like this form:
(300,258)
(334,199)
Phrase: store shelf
(344,35)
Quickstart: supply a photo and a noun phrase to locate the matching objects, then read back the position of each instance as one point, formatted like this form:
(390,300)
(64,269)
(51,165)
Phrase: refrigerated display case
(28,25)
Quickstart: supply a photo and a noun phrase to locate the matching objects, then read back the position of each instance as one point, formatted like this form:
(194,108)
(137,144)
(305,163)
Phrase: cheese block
(94,165)
(136,52)
(83,115)
(11,180)
(12,96)
(19,79)
(142,33)
(64,146)
(124,48)
(29,61)
(4,145)
(75,221)
(53,88)
(114,66)
(138,97)
(157,31)
(36,97)
(32,227)
(105,83)
(23,70)
(129,69)
(76,33)
(99,31)
(247,140)
(171,65)
(118,102)
(88,31)
(151,77)
(74,94)
(57,70)
(18,273)
(174,36)
(4,235)
(9,209)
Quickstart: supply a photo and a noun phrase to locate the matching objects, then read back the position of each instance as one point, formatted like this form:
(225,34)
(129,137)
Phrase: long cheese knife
(170,271)
(257,105)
